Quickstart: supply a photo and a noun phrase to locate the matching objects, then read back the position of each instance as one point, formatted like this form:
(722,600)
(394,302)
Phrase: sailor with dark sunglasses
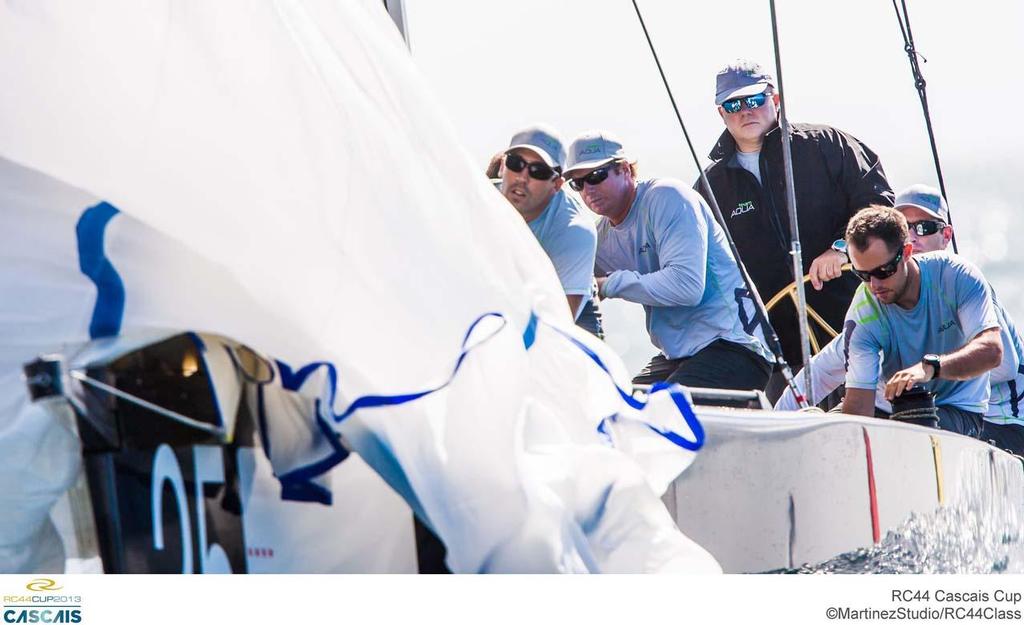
(931,316)
(530,180)
(660,246)
(835,175)
(927,216)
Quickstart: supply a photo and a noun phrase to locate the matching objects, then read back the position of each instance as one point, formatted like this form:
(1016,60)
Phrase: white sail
(277,172)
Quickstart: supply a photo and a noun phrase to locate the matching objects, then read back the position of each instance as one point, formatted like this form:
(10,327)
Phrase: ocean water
(979,533)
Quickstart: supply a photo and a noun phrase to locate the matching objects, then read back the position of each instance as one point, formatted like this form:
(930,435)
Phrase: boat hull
(773,491)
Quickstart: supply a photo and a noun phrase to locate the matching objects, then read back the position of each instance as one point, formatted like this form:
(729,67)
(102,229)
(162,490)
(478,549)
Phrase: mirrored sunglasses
(926,228)
(881,272)
(536,170)
(594,178)
(751,102)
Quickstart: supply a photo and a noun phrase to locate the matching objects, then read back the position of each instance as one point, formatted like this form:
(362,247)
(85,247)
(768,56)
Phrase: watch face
(839,246)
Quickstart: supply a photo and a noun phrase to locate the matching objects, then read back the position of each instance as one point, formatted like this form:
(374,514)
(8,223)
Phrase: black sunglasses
(752,101)
(594,178)
(536,170)
(926,228)
(881,272)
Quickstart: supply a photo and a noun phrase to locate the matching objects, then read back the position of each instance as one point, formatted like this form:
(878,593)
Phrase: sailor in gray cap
(531,180)
(835,176)
(658,245)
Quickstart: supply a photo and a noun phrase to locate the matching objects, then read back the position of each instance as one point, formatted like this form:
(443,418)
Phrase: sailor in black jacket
(835,175)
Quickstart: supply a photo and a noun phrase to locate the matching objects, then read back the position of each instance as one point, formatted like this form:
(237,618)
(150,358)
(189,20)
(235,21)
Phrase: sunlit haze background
(498,66)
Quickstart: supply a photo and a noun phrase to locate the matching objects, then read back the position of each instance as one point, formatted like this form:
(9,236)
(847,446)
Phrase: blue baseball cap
(593,149)
(544,141)
(740,79)
(928,199)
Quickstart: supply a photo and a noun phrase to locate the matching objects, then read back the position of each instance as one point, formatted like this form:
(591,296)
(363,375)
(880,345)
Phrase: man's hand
(826,267)
(901,381)
(600,286)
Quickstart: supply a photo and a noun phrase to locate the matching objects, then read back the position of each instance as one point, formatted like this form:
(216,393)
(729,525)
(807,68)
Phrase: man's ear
(721,113)
(908,250)
(947,234)
(559,181)
(775,99)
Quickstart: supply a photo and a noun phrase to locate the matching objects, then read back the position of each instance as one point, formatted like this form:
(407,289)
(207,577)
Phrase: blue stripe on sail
(108,311)
(674,390)
(297,484)
(530,335)
(377,401)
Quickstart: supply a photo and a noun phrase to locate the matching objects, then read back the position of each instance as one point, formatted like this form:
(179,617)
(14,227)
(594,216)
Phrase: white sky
(498,66)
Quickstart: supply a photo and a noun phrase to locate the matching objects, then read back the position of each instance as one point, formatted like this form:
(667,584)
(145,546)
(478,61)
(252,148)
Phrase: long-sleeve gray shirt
(671,256)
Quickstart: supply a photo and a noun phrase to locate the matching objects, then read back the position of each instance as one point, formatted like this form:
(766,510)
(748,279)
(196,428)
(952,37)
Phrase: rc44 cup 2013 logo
(45,602)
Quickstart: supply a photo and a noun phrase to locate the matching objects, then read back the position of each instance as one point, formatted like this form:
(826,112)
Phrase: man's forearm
(859,401)
(669,286)
(981,354)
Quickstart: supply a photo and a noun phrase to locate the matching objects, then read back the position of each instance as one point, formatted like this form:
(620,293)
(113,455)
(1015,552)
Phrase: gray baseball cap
(928,199)
(593,149)
(740,79)
(544,141)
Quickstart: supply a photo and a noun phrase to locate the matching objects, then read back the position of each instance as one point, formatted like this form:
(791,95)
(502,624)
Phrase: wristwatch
(936,364)
(839,245)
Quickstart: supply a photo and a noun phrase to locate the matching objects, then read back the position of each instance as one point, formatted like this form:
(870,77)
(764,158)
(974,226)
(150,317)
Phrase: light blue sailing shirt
(671,256)
(1007,380)
(566,232)
(955,305)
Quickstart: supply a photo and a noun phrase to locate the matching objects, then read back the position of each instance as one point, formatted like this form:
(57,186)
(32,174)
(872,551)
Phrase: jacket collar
(725,148)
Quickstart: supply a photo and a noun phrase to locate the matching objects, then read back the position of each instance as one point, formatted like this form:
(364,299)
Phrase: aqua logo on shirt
(741,208)
(949,324)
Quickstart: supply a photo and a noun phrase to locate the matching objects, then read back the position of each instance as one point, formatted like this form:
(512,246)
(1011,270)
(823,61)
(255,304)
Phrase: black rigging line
(770,335)
(919,83)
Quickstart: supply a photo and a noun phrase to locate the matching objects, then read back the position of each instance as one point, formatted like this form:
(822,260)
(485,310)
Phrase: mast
(794,228)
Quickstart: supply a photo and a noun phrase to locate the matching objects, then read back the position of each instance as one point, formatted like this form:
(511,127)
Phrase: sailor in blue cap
(835,175)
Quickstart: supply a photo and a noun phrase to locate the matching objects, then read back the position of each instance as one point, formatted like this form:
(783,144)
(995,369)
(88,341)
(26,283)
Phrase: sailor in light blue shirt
(660,246)
(566,232)
(531,182)
(927,216)
(932,318)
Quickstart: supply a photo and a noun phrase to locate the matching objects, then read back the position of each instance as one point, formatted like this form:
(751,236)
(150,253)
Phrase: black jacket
(835,175)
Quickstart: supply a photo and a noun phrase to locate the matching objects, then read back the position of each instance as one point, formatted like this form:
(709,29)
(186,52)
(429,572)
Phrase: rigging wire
(769,331)
(921,85)
(795,252)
